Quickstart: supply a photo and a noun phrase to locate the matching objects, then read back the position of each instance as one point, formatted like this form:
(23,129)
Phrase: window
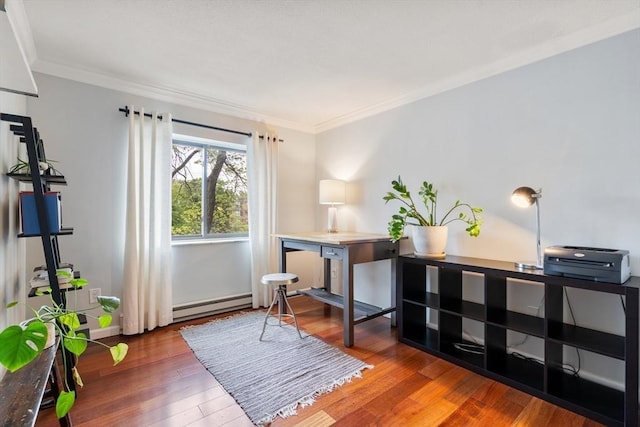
(208,189)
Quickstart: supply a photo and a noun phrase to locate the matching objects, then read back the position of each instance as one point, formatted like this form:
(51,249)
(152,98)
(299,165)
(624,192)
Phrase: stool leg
(293,314)
(282,296)
(264,325)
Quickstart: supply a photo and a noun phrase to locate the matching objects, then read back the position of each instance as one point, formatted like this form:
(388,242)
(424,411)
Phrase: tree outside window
(209,189)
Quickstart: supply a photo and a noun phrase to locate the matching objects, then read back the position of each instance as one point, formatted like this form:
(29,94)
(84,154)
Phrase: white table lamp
(332,192)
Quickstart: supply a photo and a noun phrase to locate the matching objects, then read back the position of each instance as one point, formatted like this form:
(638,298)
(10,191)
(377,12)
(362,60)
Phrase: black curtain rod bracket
(262,137)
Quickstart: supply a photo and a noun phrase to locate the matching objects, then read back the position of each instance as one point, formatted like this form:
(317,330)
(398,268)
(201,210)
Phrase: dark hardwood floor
(161,383)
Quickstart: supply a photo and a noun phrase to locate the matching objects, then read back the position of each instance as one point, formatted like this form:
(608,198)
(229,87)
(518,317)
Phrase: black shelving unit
(29,135)
(22,127)
(546,379)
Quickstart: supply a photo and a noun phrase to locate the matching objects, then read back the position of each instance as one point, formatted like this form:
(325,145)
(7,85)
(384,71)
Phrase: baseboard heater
(208,307)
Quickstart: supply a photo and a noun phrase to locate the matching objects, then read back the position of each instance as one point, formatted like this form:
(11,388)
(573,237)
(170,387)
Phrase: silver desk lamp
(525,197)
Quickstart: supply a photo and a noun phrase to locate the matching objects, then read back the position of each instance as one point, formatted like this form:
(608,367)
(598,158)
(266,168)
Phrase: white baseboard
(209,307)
(187,312)
(109,331)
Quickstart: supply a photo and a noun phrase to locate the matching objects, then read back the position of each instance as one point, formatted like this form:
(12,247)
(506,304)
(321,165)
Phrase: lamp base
(528,265)
(332,223)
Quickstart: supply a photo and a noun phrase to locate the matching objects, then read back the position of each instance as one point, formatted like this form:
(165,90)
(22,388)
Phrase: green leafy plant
(22,167)
(20,344)
(408,212)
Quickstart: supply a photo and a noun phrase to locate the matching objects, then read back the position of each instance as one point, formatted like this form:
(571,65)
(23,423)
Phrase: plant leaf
(104,320)
(12,304)
(70,320)
(64,402)
(109,304)
(78,283)
(76,344)
(76,377)
(21,345)
(118,352)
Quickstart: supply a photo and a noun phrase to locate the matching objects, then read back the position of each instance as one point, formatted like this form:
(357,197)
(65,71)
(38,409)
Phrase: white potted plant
(428,233)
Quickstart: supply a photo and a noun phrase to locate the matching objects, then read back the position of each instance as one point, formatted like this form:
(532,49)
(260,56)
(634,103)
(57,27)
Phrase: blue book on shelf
(29,214)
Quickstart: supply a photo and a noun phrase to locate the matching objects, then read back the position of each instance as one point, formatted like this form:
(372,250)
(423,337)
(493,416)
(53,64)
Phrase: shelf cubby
(588,397)
(522,371)
(530,325)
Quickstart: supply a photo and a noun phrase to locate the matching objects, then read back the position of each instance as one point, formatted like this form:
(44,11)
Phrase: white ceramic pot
(51,334)
(430,241)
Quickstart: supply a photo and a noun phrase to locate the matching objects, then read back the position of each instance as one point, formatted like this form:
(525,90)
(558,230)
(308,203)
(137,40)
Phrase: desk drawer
(332,252)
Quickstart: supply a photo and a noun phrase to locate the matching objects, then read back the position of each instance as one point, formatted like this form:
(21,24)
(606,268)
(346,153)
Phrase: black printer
(598,264)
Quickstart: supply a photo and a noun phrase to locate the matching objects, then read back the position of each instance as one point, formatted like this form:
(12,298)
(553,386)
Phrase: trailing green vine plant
(408,212)
(20,344)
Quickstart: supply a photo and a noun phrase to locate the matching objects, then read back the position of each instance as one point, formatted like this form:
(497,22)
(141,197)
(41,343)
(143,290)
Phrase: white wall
(569,124)
(83,130)
(12,283)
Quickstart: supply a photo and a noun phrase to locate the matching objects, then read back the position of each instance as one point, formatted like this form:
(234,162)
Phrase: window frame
(204,144)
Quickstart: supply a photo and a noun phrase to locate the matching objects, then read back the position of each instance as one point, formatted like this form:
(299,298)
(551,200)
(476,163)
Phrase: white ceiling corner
(307,65)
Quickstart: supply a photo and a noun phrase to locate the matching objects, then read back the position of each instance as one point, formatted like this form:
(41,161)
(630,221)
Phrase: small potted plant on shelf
(429,235)
(45,166)
(20,344)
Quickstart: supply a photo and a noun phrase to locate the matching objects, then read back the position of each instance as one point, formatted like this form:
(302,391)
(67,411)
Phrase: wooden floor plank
(161,383)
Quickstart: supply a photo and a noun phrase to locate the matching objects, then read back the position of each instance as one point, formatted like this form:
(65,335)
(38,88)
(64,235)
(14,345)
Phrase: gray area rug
(269,378)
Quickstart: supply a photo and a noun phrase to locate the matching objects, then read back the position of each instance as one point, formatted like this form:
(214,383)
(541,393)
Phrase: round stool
(280,295)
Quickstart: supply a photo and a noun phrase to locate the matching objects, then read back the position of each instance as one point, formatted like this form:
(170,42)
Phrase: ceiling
(306,64)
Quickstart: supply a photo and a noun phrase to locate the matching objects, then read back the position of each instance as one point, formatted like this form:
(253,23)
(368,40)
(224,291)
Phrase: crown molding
(163,93)
(557,46)
(607,29)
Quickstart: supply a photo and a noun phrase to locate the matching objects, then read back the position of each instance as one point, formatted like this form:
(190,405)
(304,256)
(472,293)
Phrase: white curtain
(147,297)
(263,176)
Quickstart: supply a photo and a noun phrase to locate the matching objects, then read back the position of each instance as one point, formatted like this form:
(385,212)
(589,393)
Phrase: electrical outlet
(93,295)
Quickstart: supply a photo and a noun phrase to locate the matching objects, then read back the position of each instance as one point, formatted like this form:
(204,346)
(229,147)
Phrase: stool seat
(280,296)
(279,279)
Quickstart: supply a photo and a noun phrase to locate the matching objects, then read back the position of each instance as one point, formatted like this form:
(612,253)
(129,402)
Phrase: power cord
(469,348)
(573,317)
(526,337)
(565,366)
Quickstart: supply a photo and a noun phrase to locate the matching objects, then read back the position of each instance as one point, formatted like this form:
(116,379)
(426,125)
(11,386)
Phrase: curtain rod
(126,112)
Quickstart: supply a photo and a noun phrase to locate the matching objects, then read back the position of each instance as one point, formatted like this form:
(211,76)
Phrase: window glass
(209,189)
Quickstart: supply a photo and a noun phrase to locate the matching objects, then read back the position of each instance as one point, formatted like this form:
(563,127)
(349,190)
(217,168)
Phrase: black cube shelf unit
(546,380)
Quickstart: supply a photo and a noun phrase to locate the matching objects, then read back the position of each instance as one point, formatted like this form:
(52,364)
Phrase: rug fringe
(310,399)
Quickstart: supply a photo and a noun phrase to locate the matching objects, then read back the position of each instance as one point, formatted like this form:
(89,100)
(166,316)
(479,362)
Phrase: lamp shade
(331,192)
(525,196)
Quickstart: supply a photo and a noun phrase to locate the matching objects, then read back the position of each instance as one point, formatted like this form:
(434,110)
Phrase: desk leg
(327,274)
(347,280)
(282,261)
(282,257)
(327,282)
